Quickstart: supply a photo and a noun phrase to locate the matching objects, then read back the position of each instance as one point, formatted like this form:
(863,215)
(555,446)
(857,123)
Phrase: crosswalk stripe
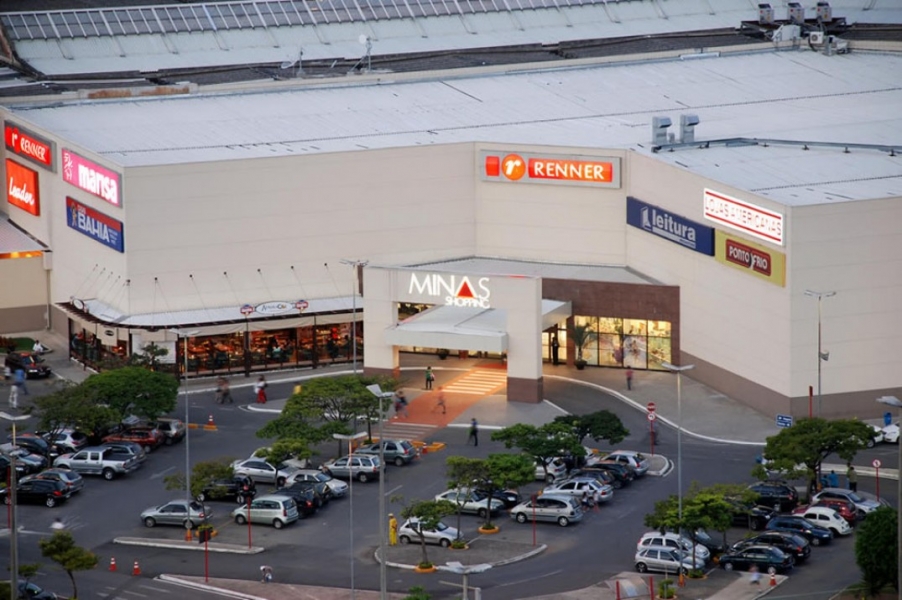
(480,381)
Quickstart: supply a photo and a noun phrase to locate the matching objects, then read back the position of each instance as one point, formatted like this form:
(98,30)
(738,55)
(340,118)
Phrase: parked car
(891,433)
(34,444)
(31,363)
(675,541)
(32,463)
(553,469)
(790,543)
(801,526)
(622,474)
(4,468)
(97,461)
(66,440)
(39,491)
(397,452)
(844,508)
(472,502)
(776,494)
(510,498)
(753,516)
(146,437)
(337,488)
(827,518)
(578,487)
(32,591)
(261,471)
(362,467)
(305,495)
(273,509)
(442,534)
(173,430)
(237,488)
(73,480)
(863,505)
(638,461)
(127,450)
(767,559)
(177,512)
(562,510)
(714,545)
(601,475)
(668,560)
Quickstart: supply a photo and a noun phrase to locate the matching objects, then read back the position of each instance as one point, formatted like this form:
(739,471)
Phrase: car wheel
(280,482)
(149,522)
(563,521)
(727,566)
(444,542)
(771,570)
(362,477)
(240,519)
(6,500)
(278,524)
(816,541)
(404,539)
(399,462)
(481,513)
(617,484)
(239,499)
(148,449)
(756,525)
(521,517)
(684,571)
(168,441)
(871,443)
(642,567)
(50,502)
(549,478)
(835,532)
(189,524)
(108,474)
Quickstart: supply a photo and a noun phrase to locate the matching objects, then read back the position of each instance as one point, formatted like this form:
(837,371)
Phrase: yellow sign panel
(750,257)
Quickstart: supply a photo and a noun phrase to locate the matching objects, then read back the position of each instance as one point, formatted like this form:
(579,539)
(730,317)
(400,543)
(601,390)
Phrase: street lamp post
(679,372)
(351,438)
(356,264)
(382,396)
(13,523)
(893,401)
(822,356)
(185,335)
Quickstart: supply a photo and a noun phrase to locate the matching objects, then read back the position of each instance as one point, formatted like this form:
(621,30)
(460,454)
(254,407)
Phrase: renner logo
(749,258)
(663,224)
(456,290)
(551,169)
(28,145)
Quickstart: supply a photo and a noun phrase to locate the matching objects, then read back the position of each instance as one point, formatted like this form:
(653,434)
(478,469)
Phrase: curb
(257,409)
(206,587)
(181,545)
(663,472)
(500,563)
(863,471)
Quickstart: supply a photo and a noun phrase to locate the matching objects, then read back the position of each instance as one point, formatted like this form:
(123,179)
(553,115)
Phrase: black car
(4,468)
(304,496)
(623,474)
(753,516)
(701,536)
(767,558)
(776,494)
(789,543)
(238,489)
(31,363)
(39,491)
(31,463)
(32,591)
(321,490)
(801,526)
(34,444)
(511,498)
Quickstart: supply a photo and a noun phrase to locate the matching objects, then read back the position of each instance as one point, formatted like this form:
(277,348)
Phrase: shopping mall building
(685,210)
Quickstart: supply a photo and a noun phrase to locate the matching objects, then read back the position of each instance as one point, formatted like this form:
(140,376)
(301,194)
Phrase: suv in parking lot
(554,469)
(669,560)
(622,474)
(274,509)
(776,494)
(562,510)
(173,430)
(238,488)
(674,541)
(361,467)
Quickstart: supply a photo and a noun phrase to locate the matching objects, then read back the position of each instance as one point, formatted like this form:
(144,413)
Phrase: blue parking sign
(784,420)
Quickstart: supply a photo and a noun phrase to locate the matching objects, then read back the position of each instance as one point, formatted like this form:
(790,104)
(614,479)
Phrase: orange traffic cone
(112,564)
(210,426)
(773,580)
(136,570)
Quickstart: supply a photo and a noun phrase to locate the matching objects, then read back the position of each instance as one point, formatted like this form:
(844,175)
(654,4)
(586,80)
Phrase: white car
(471,501)
(675,542)
(891,434)
(878,436)
(828,519)
(442,535)
(554,469)
(578,486)
(638,461)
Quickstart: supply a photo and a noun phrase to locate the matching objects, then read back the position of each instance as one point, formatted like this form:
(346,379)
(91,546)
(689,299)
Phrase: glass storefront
(633,343)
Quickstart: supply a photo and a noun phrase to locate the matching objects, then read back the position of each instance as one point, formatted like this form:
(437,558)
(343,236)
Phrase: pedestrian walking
(852,476)
(440,401)
(474,432)
(392,530)
(265,573)
(833,480)
(596,500)
(401,404)
(629,379)
(260,390)
(555,349)
(19,380)
(430,377)
(223,391)
(755,578)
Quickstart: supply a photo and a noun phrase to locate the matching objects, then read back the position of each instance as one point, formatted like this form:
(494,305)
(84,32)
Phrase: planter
(488,530)
(424,569)
(453,546)
(580,364)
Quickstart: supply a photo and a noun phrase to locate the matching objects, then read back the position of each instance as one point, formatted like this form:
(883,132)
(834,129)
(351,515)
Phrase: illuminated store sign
(91,177)
(744,216)
(22,188)
(452,290)
(670,226)
(95,224)
(592,171)
(28,145)
(750,257)
(276,308)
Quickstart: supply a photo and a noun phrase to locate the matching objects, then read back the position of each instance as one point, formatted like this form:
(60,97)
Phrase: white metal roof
(13,239)
(799,94)
(508,268)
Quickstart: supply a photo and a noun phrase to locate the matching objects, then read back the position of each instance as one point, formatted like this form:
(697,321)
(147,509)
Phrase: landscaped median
(496,550)
(183,545)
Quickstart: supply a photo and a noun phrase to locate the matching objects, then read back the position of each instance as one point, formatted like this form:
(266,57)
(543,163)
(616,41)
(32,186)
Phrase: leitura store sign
(594,171)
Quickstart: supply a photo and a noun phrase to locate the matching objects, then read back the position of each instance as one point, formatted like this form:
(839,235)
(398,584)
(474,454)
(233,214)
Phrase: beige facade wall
(23,294)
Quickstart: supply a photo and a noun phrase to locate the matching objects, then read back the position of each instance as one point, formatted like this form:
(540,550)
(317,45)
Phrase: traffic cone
(136,570)
(210,426)
(773,580)
(112,564)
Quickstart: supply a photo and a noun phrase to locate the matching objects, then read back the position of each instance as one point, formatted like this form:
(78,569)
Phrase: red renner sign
(22,188)
(28,145)
(595,171)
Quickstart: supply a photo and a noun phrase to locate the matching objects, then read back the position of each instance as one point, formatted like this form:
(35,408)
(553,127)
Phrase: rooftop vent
(824,12)
(687,128)
(795,13)
(659,127)
(765,14)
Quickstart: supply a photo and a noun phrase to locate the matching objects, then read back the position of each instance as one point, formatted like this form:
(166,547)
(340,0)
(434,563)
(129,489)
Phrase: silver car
(274,509)
(579,486)
(361,467)
(553,470)
(336,487)
(638,461)
(668,560)
(442,534)
(260,470)
(559,509)
(471,501)
(177,512)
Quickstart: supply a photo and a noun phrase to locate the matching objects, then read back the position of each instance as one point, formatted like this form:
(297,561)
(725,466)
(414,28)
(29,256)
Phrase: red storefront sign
(91,177)
(28,145)
(535,168)
(22,188)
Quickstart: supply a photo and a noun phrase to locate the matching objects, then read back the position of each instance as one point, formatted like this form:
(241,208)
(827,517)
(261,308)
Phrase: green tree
(61,549)
(202,474)
(599,425)
(506,471)
(542,443)
(800,449)
(877,550)
(71,406)
(735,491)
(429,513)
(666,516)
(133,391)
(465,474)
(706,510)
(282,450)
(149,356)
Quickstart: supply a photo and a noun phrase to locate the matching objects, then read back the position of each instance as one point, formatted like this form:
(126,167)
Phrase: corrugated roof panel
(13,239)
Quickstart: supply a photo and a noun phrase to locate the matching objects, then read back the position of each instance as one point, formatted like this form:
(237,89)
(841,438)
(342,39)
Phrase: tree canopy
(133,391)
(61,549)
(70,406)
(466,474)
(877,551)
(542,443)
(202,474)
(599,425)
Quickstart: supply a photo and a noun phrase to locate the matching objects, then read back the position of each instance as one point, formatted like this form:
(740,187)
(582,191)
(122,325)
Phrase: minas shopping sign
(521,167)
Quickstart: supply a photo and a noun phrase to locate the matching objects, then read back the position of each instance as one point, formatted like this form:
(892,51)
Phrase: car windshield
(855,497)
(441,526)
(322,477)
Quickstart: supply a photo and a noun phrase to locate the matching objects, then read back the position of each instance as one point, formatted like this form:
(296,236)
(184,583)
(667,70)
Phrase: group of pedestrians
(224,391)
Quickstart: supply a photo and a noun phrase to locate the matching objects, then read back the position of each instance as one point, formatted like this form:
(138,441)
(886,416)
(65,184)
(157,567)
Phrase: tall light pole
(13,523)
(185,335)
(357,264)
(679,372)
(822,356)
(382,396)
(356,436)
(893,401)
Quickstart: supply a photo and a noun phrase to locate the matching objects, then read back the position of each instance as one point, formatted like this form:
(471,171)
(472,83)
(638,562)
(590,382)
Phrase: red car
(146,437)
(845,509)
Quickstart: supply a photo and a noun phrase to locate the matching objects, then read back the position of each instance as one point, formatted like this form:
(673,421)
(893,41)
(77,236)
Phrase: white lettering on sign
(568,170)
(454,290)
(744,216)
(97,183)
(94,227)
(21,193)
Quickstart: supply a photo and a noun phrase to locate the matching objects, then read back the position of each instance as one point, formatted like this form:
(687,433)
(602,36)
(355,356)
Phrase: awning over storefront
(466,328)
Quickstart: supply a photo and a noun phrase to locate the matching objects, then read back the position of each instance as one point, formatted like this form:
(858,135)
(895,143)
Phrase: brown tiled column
(524,390)
(376,372)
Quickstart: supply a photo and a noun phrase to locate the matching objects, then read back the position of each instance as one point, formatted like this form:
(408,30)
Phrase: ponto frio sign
(275,308)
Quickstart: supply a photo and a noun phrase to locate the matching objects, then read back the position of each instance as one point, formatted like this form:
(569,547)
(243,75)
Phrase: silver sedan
(261,471)
(177,512)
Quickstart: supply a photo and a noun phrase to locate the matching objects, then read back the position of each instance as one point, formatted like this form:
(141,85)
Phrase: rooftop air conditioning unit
(765,14)
(824,12)
(816,38)
(796,13)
